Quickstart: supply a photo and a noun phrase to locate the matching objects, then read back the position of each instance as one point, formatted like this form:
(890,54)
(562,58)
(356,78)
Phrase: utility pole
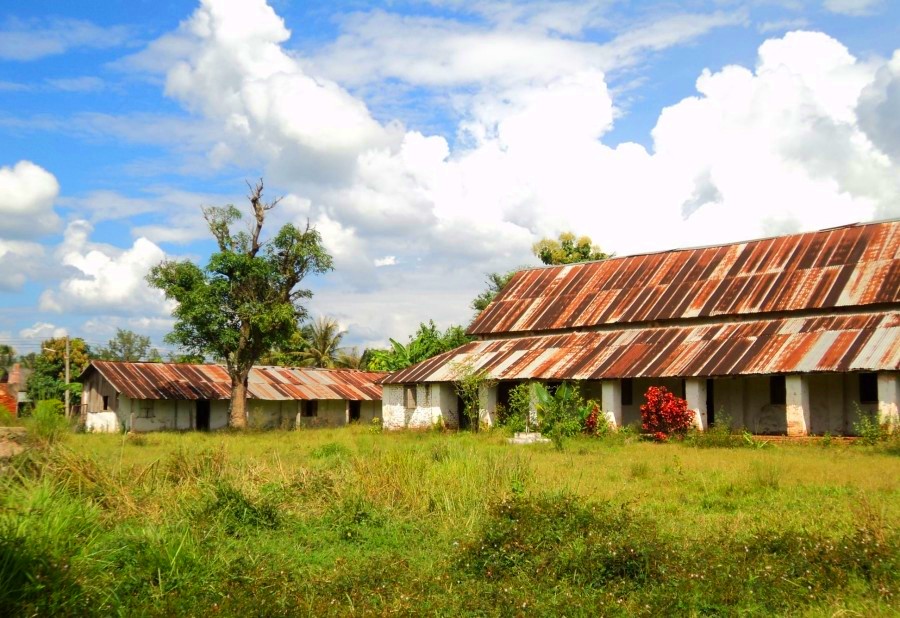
(67,377)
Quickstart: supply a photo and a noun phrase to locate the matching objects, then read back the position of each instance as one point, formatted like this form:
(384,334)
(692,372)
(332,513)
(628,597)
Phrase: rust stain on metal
(188,382)
(854,342)
(855,265)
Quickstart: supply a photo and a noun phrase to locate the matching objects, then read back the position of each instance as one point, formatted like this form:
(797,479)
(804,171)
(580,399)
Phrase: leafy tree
(48,377)
(247,299)
(129,346)
(7,358)
(568,250)
(428,341)
(287,353)
(323,340)
(495,283)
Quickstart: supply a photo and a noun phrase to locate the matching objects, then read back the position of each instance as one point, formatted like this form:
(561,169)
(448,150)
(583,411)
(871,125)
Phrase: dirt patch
(12,442)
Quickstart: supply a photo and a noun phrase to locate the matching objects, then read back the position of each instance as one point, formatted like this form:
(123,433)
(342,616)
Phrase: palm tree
(350,358)
(323,337)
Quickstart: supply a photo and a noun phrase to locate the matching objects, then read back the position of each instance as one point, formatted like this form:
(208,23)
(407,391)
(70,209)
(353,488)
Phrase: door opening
(463,417)
(202,415)
(355,407)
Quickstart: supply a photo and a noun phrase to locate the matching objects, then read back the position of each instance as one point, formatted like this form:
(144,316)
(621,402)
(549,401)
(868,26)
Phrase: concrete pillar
(889,399)
(797,405)
(487,400)
(695,394)
(611,400)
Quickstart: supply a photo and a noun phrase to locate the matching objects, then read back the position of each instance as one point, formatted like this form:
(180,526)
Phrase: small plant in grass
(869,430)
(561,412)
(377,425)
(664,415)
(719,435)
(48,424)
(469,383)
(516,416)
(595,422)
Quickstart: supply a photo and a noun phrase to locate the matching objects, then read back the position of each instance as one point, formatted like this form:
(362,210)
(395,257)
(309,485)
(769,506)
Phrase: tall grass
(336,522)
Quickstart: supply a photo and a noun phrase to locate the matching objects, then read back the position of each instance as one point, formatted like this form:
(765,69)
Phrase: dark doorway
(710,403)
(202,415)
(463,417)
(355,408)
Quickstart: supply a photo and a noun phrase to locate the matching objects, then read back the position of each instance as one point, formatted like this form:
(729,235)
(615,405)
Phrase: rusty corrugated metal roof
(190,381)
(855,265)
(855,342)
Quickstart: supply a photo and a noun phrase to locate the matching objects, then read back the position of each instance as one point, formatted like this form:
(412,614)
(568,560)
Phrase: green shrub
(48,423)
(561,411)
(718,435)
(7,419)
(869,430)
(238,514)
(514,417)
(331,450)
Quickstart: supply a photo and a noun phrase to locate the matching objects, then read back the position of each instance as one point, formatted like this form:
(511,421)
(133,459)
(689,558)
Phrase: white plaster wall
(448,403)
(487,402)
(218,414)
(330,413)
(272,414)
(435,402)
(102,422)
(826,402)
(368,411)
(393,412)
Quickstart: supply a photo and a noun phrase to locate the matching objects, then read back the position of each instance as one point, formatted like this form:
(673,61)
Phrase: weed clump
(48,424)
(331,450)
(238,514)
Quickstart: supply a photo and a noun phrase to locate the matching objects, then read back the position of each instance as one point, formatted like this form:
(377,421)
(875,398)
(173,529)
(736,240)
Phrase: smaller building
(180,396)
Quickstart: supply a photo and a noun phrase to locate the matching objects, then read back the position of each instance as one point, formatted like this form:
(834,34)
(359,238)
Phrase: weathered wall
(369,411)
(158,415)
(93,391)
(330,413)
(393,412)
(833,402)
(102,422)
(271,414)
(435,402)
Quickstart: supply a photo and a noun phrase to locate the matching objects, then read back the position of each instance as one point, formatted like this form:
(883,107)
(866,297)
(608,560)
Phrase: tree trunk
(237,414)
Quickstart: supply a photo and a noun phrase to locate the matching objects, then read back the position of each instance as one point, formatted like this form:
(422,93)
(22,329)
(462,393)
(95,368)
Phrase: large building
(794,335)
(158,396)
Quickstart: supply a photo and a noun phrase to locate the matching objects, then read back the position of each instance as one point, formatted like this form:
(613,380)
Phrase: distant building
(158,396)
(789,335)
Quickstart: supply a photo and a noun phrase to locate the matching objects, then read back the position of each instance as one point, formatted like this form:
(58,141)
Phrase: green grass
(346,521)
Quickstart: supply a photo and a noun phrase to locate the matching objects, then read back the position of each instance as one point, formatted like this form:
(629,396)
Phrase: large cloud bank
(807,138)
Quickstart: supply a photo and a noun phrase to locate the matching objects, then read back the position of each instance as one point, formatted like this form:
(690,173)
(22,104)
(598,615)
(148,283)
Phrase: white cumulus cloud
(42,330)
(105,279)
(782,146)
(27,195)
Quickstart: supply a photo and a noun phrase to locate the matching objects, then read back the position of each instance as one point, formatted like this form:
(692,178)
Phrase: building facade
(175,396)
(793,335)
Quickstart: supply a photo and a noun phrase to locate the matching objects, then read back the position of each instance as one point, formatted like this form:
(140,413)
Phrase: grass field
(347,521)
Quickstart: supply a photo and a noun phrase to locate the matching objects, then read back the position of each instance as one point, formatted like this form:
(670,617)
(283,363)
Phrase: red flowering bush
(665,415)
(594,422)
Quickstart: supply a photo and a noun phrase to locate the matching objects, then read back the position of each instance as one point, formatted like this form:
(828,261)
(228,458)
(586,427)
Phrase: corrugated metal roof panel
(868,342)
(855,265)
(184,381)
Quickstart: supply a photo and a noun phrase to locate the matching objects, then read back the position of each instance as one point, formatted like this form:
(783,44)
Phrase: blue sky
(429,142)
